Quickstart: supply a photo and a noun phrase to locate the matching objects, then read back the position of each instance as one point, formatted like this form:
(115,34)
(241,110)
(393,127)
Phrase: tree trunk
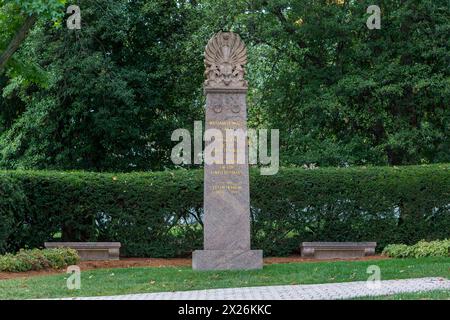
(15,43)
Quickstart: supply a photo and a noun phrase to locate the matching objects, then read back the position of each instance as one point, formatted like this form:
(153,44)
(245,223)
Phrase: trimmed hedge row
(159,214)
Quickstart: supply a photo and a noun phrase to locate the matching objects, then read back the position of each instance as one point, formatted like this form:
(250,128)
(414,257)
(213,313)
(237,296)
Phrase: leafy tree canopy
(340,94)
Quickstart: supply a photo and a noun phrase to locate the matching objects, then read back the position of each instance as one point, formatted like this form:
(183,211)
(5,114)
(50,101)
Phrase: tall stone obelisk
(226,185)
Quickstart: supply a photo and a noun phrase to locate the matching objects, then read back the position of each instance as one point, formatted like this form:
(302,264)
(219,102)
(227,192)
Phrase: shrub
(12,204)
(421,249)
(160,214)
(26,260)
(397,251)
(61,257)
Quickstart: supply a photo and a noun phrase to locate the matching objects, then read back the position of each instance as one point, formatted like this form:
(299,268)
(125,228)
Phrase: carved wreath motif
(225,57)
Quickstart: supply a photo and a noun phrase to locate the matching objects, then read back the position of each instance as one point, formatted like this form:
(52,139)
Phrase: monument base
(227,259)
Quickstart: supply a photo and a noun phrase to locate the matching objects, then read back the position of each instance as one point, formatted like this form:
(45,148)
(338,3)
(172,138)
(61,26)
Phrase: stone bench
(337,250)
(90,250)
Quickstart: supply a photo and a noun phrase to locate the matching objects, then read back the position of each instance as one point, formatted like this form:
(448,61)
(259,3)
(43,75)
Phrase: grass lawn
(426,295)
(140,280)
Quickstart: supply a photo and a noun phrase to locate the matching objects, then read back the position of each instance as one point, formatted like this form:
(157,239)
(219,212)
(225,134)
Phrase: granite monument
(226,183)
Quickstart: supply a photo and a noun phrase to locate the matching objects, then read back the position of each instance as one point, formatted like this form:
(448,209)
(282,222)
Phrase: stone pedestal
(226,183)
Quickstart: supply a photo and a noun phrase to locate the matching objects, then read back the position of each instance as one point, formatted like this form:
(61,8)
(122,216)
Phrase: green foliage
(36,259)
(47,8)
(386,205)
(13,14)
(343,94)
(115,92)
(419,250)
(398,251)
(340,94)
(12,205)
(160,214)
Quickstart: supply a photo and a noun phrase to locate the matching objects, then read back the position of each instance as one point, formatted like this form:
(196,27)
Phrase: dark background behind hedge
(159,214)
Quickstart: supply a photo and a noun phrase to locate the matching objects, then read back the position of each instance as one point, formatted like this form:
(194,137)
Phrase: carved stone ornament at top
(225,57)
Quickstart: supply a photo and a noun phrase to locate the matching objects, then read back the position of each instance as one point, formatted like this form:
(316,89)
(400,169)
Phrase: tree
(340,94)
(19,17)
(344,94)
(18,38)
(118,88)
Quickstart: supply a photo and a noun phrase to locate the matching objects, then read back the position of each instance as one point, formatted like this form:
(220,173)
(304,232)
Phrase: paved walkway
(327,291)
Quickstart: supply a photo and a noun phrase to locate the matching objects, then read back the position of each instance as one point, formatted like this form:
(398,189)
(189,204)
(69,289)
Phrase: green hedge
(159,214)
(12,205)
(26,260)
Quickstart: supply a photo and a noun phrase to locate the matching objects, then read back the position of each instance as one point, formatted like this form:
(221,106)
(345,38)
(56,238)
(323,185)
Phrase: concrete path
(327,291)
